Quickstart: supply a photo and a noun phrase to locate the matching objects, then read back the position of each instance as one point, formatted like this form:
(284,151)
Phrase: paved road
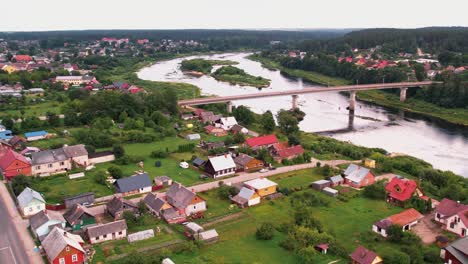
(16,245)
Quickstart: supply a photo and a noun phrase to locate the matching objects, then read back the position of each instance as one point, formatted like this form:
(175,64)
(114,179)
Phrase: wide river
(444,146)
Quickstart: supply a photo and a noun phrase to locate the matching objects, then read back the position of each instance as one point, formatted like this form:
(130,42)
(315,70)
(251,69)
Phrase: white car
(263,170)
(184,165)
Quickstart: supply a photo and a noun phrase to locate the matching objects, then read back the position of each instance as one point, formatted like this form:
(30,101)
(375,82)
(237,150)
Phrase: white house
(226,123)
(105,232)
(453,216)
(220,166)
(406,219)
(30,202)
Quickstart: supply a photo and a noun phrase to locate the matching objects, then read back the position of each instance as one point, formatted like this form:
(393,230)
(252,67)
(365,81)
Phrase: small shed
(322,248)
(192,137)
(208,236)
(193,228)
(163,181)
(198,162)
(167,261)
(320,184)
(370,163)
(330,191)
(336,180)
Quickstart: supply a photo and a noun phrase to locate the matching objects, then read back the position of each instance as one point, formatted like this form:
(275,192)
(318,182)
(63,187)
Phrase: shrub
(375,191)
(224,192)
(19,183)
(265,231)
(118,150)
(158,154)
(115,171)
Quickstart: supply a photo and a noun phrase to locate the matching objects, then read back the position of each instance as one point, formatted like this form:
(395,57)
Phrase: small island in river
(199,67)
(234,75)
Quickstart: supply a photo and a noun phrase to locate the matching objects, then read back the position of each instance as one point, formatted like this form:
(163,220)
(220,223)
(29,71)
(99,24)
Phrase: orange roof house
(406,219)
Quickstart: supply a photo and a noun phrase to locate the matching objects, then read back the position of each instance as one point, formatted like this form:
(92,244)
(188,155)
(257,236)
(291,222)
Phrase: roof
(320,182)
(104,229)
(384,223)
(260,183)
(463,215)
(156,204)
(356,173)
(222,162)
(291,151)
(405,217)
(401,189)
(116,204)
(48,156)
(167,261)
(162,178)
(100,154)
(27,195)
(449,207)
(57,240)
(9,156)
(134,182)
(35,133)
(243,159)
(198,161)
(363,256)
(43,217)
(209,234)
(237,128)
(459,249)
(228,121)
(329,190)
(23,57)
(75,151)
(246,193)
(179,196)
(194,227)
(336,179)
(261,141)
(75,213)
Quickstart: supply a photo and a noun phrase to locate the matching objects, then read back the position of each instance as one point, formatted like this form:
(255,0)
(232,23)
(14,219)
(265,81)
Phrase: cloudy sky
(26,15)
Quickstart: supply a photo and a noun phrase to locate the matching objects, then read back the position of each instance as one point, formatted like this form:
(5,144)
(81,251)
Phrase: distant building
(400,191)
(261,142)
(117,205)
(79,216)
(81,199)
(245,162)
(36,135)
(44,221)
(13,164)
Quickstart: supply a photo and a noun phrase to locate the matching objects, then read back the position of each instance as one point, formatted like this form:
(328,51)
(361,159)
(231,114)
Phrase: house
(17,142)
(44,221)
(185,201)
(193,228)
(364,256)
(82,199)
(282,151)
(77,154)
(453,216)
(61,247)
(157,206)
(36,135)
(262,186)
(47,162)
(261,142)
(220,166)
(79,216)
(246,197)
(215,131)
(162,181)
(29,150)
(213,145)
(245,162)
(13,164)
(30,202)
(406,219)
(357,176)
(192,137)
(239,129)
(117,205)
(105,232)
(370,163)
(6,135)
(320,184)
(139,183)
(399,191)
(456,252)
(22,58)
(336,180)
(226,123)
(330,191)
(198,162)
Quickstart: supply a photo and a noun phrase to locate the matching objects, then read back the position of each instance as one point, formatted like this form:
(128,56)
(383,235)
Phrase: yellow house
(262,186)
(10,69)
(370,163)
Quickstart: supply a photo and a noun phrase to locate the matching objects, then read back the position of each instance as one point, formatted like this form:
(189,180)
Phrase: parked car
(184,165)
(263,170)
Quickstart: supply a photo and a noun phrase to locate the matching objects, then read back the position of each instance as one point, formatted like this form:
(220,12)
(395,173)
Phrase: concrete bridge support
(294,101)
(352,100)
(229,107)
(403,94)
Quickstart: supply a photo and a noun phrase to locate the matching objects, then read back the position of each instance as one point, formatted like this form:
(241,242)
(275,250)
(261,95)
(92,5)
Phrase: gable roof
(237,128)
(116,204)
(155,203)
(222,162)
(198,161)
(179,196)
(449,207)
(228,121)
(363,256)
(48,156)
(260,183)
(405,217)
(57,240)
(75,151)
(75,213)
(132,183)
(8,156)
(401,189)
(43,217)
(243,159)
(356,173)
(27,196)
(459,249)
(261,141)
(290,151)
(104,229)
(336,179)
(463,215)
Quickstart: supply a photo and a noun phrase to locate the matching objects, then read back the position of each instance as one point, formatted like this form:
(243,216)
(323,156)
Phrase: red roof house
(262,141)
(13,164)
(22,58)
(401,190)
(282,151)
(364,256)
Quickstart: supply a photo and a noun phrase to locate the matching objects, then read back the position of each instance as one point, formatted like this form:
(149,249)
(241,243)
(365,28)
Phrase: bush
(100,177)
(20,182)
(118,151)
(396,257)
(375,191)
(224,192)
(265,232)
(115,171)
(158,154)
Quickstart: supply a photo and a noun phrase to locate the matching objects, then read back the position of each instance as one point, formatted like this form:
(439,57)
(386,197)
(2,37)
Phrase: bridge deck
(362,87)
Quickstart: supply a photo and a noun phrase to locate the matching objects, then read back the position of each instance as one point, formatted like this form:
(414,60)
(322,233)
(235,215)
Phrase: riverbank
(452,115)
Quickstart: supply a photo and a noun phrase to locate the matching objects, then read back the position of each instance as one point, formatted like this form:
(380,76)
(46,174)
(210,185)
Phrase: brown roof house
(117,205)
(105,232)
(79,216)
(245,162)
(364,256)
(453,215)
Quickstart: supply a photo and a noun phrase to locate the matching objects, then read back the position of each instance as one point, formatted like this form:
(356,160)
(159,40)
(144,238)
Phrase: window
(120,232)
(104,236)
(38,167)
(62,260)
(38,207)
(74,257)
(67,248)
(97,238)
(194,207)
(62,163)
(50,165)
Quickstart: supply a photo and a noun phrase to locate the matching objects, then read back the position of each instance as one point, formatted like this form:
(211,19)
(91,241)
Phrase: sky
(43,15)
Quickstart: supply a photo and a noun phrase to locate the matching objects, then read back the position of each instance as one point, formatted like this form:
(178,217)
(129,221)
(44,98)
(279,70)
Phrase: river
(444,146)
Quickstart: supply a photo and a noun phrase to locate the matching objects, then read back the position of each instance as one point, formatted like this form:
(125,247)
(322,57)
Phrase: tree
(102,123)
(287,122)
(244,115)
(118,151)
(225,191)
(375,191)
(395,233)
(19,183)
(115,171)
(8,122)
(268,122)
(396,257)
(305,218)
(266,231)
(238,138)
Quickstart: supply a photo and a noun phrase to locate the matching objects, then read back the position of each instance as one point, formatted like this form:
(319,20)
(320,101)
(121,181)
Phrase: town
(101,165)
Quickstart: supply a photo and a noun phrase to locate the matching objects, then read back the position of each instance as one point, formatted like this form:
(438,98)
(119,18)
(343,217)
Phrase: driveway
(426,229)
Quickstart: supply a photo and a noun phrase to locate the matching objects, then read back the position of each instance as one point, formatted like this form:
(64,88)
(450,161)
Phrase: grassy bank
(457,116)
(234,75)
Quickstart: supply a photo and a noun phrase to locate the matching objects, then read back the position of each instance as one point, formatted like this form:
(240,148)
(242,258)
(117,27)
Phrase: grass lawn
(297,179)
(36,109)
(217,207)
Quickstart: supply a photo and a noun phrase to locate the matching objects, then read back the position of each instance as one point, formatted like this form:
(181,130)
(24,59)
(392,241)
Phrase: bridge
(352,89)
